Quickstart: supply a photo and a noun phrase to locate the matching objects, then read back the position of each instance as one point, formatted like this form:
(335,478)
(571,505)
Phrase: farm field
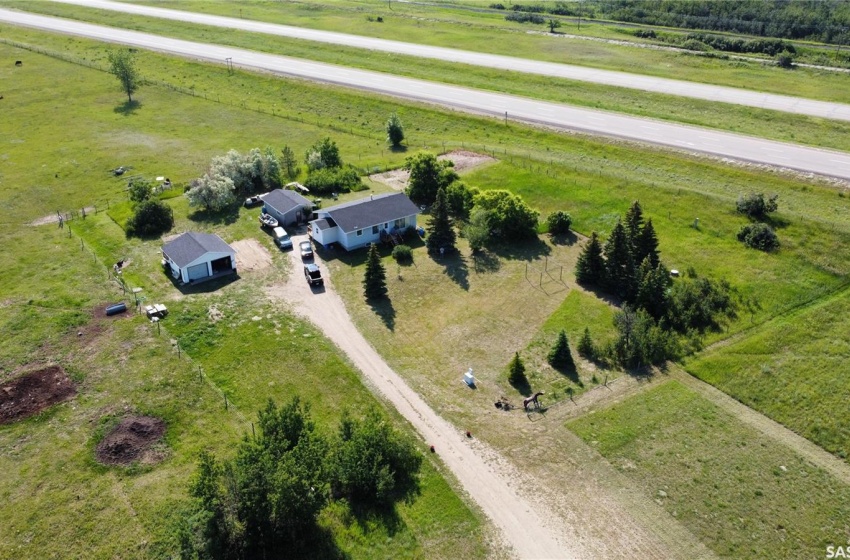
(443,317)
(752,121)
(741,493)
(794,368)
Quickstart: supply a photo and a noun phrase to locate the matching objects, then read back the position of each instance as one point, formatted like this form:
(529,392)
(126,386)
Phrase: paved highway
(680,88)
(722,144)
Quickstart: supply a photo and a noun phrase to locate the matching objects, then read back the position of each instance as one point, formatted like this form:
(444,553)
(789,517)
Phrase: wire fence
(113,275)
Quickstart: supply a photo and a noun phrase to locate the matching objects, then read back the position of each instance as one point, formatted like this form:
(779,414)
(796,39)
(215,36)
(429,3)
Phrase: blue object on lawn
(116,308)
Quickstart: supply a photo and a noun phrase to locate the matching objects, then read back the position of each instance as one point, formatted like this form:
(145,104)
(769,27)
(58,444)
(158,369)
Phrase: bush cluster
(759,236)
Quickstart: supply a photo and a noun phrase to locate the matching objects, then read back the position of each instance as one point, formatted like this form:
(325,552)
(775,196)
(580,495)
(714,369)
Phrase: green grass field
(445,316)
(59,501)
(794,369)
(742,494)
(757,122)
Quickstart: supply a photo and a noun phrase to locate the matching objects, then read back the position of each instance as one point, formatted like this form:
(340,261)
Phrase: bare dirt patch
(33,392)
(250,255)
(131,440)
(463,160)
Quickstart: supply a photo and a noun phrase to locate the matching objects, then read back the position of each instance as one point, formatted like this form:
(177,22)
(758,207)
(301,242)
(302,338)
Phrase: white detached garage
(194,257)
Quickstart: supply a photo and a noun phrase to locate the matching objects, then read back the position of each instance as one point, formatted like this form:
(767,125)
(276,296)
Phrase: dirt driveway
(527,526)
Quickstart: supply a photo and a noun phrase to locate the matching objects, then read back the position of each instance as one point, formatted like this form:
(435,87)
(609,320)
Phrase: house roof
(367,212)
(284,201)
(323,223)
(191,245)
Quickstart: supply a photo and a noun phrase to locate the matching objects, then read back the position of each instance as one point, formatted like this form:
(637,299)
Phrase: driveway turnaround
(525,525)
(693,139)
(785,103)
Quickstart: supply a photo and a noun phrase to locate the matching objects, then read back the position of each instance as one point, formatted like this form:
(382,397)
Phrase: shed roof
(367,212)
(284,201)
(191,245)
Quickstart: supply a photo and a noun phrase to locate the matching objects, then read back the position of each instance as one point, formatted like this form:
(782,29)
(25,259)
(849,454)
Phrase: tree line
(656,309)
(813,20)
(266,501)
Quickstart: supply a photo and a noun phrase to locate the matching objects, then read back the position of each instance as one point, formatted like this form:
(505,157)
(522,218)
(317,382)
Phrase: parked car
(252,201)
(281,238)
(313,275)
(306,249)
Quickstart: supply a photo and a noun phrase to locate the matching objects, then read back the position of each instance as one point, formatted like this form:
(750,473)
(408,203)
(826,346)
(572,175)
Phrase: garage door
(198,271)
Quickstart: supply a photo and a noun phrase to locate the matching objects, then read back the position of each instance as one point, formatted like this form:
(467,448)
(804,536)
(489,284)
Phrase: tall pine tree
(590,268)
(647,245)
(375,278)
(634,225)
(619,264)
(441,233)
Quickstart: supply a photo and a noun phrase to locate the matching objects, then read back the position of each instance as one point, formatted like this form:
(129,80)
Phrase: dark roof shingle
(192,245)
(367,212)
(284,201)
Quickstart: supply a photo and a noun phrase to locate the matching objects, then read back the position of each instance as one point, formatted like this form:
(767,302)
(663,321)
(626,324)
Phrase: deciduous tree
(427,175)
(122,65)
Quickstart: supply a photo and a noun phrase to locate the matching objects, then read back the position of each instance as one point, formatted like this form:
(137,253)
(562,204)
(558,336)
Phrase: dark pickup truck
(313,275)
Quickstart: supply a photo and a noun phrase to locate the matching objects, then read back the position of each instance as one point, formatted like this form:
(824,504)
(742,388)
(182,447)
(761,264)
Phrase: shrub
(395,130)
(327,181)
(644,33)
(508,216)
(497,6)
(759,236)
(755,206)
(402,254)
(151,218)
(585,347)
(522,17)
(785,61)
(559,223)
(140,190)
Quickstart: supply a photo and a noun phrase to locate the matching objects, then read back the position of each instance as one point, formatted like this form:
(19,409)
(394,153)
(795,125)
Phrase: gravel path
(528,527)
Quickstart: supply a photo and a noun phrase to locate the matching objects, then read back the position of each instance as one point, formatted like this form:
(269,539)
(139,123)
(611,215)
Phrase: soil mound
(31,393)
(130,441)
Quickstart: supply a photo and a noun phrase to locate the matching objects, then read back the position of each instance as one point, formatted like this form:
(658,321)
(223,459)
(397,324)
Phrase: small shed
(288,207)
(194,257)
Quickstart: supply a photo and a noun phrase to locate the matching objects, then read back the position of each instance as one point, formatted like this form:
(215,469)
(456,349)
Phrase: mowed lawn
(795,369)
(742,494)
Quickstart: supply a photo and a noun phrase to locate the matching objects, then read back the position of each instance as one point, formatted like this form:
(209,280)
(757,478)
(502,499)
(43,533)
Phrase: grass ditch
(741,493)
(745,120)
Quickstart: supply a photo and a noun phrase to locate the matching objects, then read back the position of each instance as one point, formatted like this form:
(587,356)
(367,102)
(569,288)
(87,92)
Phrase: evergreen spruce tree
(619,264)
(375,278)
(647,245)
(516,371)
(586,348)
(560,357)
(653,283)
(634,225)
(441,233)
(590,268)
